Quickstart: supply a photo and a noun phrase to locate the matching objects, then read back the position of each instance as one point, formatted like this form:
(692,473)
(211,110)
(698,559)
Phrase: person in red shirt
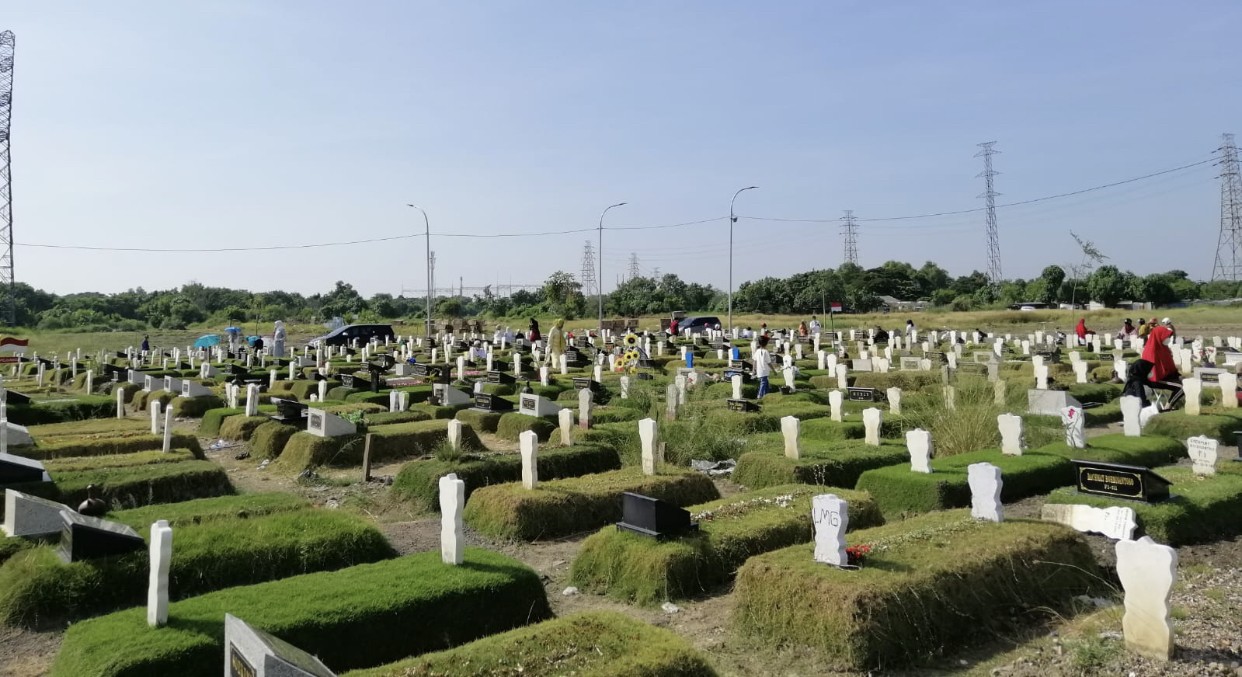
(1082,331)
(1155,368)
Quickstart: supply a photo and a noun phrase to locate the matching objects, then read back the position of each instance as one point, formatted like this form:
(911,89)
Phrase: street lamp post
(733,220)
(599,277)
(427,227)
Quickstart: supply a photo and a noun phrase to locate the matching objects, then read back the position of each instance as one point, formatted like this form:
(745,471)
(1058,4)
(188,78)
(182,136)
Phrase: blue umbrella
(232,330)
(251,339)
(207,341)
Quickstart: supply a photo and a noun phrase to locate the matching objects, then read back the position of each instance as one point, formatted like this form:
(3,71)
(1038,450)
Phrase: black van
(346,335)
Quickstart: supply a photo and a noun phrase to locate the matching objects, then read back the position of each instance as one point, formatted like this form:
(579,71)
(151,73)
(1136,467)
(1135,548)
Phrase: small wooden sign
(1121,481)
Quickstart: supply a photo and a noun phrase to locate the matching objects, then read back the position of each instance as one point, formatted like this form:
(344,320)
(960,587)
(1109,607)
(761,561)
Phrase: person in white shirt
(763,365)
(814,326)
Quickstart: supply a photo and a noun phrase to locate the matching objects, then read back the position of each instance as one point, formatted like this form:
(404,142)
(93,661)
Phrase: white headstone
(1074,423)
(1041,377)
(670,401)
(1010,426)
(1194,388)
(648,434)
(455,434)
(1115,522)
(831,518)
(452,528)
(1147,571)
(585,403)
(625,387)
(528,443)
(950,397)
(252,400)
(791,429)
(1131,408)
(834,404)
(120,401)
(323,390)
(1228,390)
(155,417)
(324,424)
(1202,451)
(894,401)
(157,585)
(565,418)
(168,421)
(985,491)
(842,377)
(872,418)
(919,444)
(1080,371)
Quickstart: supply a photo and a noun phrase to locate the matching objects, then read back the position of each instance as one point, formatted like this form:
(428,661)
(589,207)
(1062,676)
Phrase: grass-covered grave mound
(61,411)
(561,507)
(105,444)
(132,480)
(37,589)
(642,570)
(418,481)
(601,643)
(1198,510)
(360,617)
(388,443)
(836,464)
(930,584)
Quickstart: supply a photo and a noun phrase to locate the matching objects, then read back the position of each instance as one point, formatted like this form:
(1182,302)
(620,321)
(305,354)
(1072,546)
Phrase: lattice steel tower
(635,272)
(849,229)
(1227,266)
(989,194)
(7,43)
(588,270)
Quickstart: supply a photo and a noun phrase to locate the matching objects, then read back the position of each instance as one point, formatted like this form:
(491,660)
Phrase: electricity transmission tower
(7,43)
(589,284)
(1226,266)
(634,270)
(989,195)
(850,231)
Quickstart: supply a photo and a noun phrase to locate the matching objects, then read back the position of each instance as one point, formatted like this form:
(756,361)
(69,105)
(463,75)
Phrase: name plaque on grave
(1121,481)
(864,395)
(314,420)
(419,369)
(238,667)
(491,403)
(742,406)
(498,377)
(585,383)
(653,517)
(83,537)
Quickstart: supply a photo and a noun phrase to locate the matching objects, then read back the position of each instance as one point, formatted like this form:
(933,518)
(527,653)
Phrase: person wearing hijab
(556,343)
(532,333)
(278,339)
(1127,330)
(1143,328)
(1155,368)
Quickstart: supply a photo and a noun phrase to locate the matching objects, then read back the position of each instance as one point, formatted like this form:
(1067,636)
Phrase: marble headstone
(1147,571)
(452,527)
(1202,450)
(1010,426)
(831,518)
(919,444)
(985,491)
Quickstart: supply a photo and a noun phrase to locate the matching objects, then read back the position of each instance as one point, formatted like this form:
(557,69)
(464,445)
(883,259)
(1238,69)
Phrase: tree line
(857,289)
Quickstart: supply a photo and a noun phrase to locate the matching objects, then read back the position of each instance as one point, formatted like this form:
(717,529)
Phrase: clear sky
(230,123)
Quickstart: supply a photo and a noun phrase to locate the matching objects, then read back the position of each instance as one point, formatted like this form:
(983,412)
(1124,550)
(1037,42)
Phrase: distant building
(891,304)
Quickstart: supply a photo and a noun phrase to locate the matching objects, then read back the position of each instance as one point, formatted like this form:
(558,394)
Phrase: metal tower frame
(1227,266)
(7,44)
(989,194)
(850,231)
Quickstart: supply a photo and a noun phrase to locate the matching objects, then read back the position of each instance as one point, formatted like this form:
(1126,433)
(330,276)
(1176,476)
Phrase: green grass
(60,411)
(38,590)
(568,506)
(358,617)
(200,510)
(513,424)
(269,439)
(90,427)
(1178,425)
(241,428)
(418,481)
(195,407)
(601,644)
(836,464)
(133,480)
(641,570)
(482,421)
(388,443)
(930,584)
(1148,450)
(1199,510)
(900,492)
(103,444)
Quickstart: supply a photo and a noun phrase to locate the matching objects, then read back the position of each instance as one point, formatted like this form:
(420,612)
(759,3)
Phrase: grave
(985,491)
(535,405)
(323,424)
(448,396)
(1049,402)
(831,518)
(1147,571)
(864,395)
(249,652)
(26,515)
(19,470)
(83,538)
(1116,480)
(485,402)
(194,389)
(1202,451)
(653,517)
(1117,522)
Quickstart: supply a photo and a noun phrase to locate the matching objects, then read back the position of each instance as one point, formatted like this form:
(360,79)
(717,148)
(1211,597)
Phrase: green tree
(563,295)
(1107,285)
(1052,277)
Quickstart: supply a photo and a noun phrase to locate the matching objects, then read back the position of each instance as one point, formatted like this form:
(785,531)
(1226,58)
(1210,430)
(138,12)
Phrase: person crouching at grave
(1127,330)
(1155,369)
(881,336)
(763,365)
(556,343)
(1082,332)
(1143,328)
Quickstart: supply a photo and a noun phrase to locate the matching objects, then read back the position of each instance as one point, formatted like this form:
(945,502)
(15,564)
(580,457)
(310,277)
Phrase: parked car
(698,325)
(346,335)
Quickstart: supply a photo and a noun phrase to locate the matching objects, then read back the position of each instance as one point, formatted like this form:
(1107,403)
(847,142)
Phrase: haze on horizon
(240,124)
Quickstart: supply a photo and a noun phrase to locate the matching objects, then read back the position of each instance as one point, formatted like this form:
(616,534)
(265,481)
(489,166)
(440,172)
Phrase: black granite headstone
(19,469)
(864,395)
(84,537)
(1120,481)
(652,517)
(487,402)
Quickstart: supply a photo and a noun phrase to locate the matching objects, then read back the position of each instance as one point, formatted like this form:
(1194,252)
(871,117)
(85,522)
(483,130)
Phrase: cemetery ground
(1083,637)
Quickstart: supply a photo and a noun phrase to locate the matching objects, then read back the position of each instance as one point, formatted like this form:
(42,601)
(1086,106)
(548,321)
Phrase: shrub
(836,465)
(482,421)
(391,417)
(596,643)
(900,492)
(922,577)
(434,412)
(418,481)
(1095,392)
(969,426)
(268,439)
(514,424)
(94,427)
(357,617)
(37,589)
(568,506)
(642,570)
(241,427)
(143,398)
(121,443)
(1198,510)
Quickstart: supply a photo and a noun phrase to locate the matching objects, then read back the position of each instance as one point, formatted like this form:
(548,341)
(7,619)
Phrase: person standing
(146,344)
(278,339)
(910,331)
(556,343)
(814,326)
(763,365)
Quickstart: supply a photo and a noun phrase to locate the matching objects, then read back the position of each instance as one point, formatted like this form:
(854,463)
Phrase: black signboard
(114,372)
(83,537)
(491,402)
(864,395)
(419,369)
(290,412)
(743,406)
(14,397)
(1121,481)
(499,377)
(653,517)
(585,383)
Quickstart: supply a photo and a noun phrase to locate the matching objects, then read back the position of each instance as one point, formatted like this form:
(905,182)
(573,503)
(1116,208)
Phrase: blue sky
(230,123)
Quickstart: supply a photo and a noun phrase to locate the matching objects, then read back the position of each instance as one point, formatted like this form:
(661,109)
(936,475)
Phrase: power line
(989,196)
